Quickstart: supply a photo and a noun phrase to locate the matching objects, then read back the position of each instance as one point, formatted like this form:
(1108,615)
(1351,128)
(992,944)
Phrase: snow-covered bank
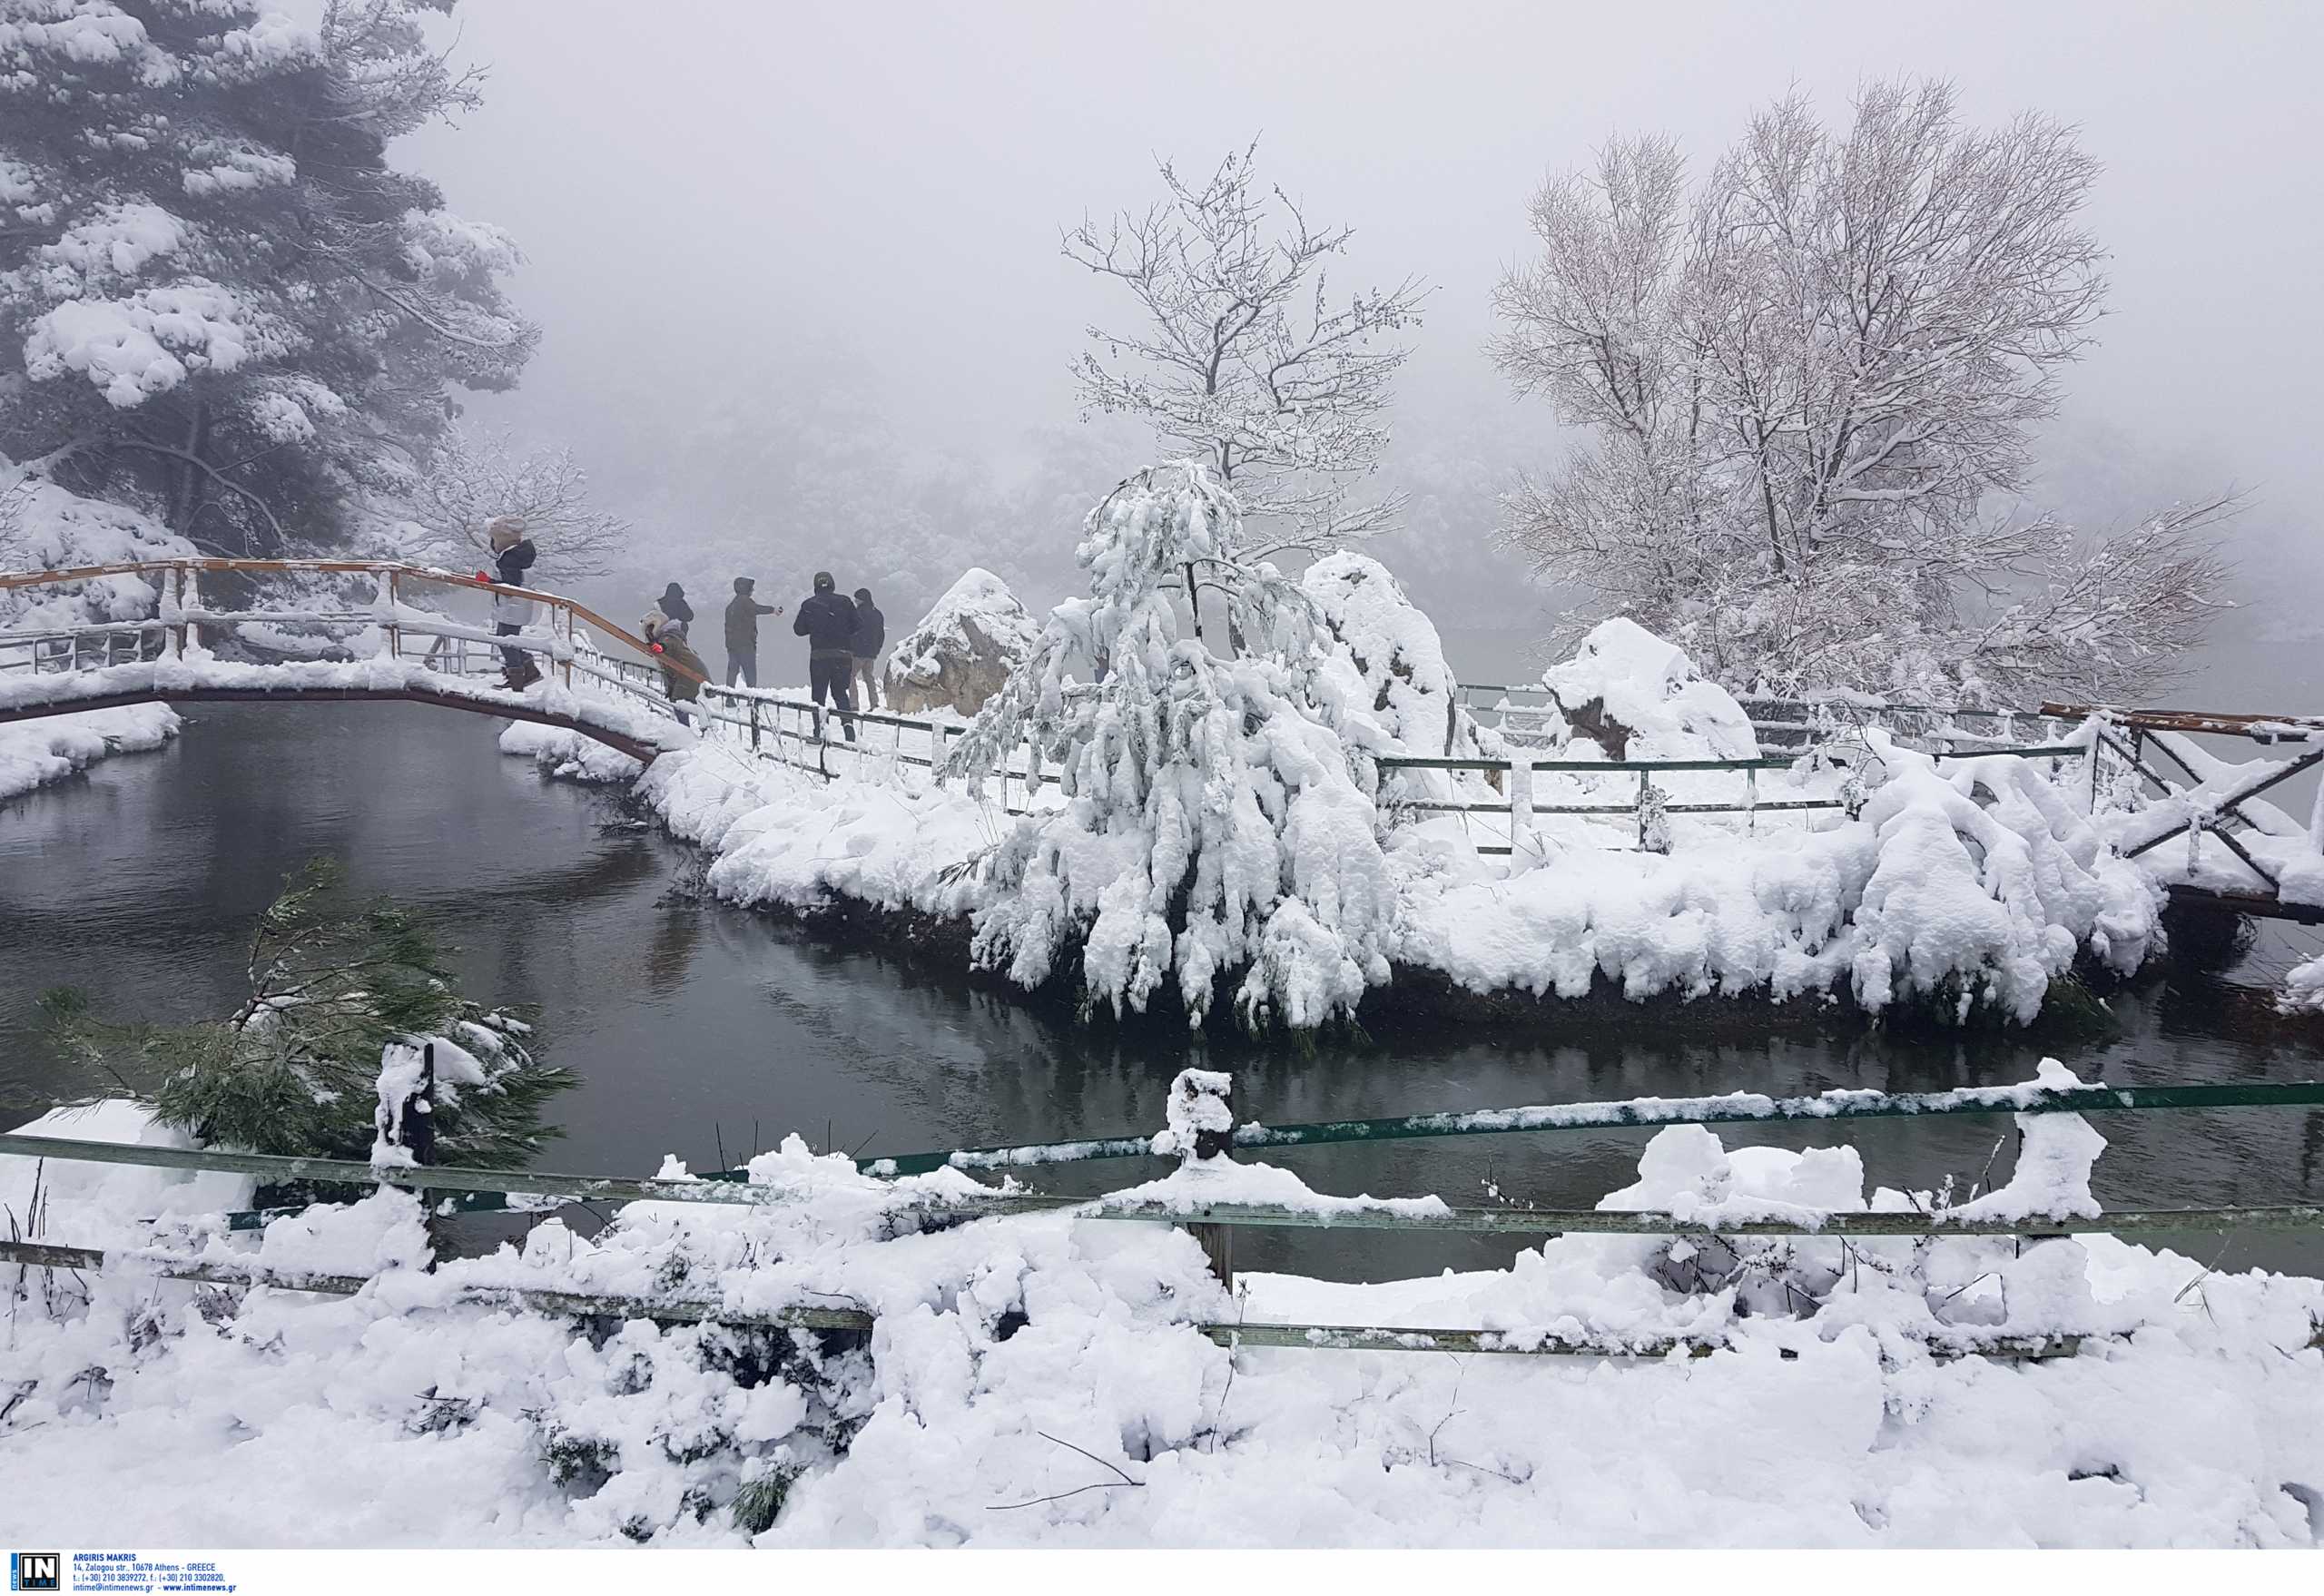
(35,752)
(1927,896)
(1040,1380)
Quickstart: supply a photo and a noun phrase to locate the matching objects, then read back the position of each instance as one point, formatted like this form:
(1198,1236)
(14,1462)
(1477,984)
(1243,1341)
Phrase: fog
(728,204)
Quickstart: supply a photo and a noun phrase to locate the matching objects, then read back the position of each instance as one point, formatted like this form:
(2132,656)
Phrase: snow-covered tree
(1244,356)
(1807,381)
(1211,824)
(217,299)
(473,476)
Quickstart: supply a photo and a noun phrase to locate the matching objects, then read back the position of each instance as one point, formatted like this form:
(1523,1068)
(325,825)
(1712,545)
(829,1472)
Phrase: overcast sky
(706,188)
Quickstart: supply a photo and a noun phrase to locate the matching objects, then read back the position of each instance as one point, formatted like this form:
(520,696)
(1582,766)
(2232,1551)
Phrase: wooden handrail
(12,579)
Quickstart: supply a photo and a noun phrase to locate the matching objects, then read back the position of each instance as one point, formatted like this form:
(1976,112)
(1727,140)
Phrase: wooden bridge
(352,633)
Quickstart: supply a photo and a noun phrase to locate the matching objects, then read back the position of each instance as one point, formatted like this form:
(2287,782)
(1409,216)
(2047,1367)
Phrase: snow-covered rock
(1638,697)
(963,649)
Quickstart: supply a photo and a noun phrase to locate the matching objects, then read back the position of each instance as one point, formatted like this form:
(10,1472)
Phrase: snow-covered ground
(1040,1380)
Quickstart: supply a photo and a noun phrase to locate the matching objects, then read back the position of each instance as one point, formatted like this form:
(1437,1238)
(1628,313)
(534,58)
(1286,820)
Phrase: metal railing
(1213,1223)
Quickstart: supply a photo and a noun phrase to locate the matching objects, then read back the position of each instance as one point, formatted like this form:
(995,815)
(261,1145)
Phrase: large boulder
(1638,697)
(962,650)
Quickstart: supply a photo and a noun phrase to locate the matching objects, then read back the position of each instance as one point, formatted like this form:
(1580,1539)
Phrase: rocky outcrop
(962,650)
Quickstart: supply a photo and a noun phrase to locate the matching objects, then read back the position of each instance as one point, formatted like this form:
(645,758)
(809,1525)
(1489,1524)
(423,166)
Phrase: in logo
(35,1570)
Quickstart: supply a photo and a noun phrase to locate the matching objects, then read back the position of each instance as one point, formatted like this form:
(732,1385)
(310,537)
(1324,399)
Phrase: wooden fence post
(395,633)
(177,601)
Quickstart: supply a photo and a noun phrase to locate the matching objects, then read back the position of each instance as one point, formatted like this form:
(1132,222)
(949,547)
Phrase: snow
(135,348)
(1009,1353)
(1630,679)
(979,600)
(44,528)
(33,753)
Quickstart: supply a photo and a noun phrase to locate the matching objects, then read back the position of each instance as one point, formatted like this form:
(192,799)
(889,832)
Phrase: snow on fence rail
(1201,1134)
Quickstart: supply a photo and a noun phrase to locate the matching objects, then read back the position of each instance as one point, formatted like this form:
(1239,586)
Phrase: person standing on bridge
(675,605)
(827,621)
(512,556)
(871,636)
(742,613)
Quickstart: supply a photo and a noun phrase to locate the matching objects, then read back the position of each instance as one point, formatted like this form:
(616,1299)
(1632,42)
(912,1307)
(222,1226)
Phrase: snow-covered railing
(1212,1197)
(1521,801)
(1799,724)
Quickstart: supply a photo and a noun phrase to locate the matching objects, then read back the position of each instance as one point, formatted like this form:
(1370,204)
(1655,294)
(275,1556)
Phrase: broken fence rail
(680,1310)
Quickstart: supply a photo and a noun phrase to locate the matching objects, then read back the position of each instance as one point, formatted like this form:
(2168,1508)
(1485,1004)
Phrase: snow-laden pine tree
(1810,383)
(1211,825)
(218,301)
(1243,354)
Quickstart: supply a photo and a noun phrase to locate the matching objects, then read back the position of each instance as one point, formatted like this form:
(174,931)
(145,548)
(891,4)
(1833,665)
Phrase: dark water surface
(694,1027)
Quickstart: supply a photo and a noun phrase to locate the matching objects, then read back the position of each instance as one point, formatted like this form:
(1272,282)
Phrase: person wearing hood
(512,556)
(827,621)
(742,613)
(871,636)
(666,636)
(674,604)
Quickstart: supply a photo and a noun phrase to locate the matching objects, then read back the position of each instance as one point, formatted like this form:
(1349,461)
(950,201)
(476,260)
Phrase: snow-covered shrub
(1211,824)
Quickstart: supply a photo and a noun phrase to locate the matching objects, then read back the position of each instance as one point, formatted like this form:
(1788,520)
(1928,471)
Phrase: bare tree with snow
(471,477)
(1809,378)
(1244,356)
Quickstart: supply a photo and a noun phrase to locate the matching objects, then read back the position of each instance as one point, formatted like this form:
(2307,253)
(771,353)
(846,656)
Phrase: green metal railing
(1729,1108)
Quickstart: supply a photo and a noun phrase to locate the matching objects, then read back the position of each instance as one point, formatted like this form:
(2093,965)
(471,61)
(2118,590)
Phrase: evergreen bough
(293,1072)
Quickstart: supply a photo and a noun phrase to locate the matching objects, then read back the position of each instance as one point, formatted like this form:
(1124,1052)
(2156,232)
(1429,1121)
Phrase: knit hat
(863,595)
(744,583)
(823,583)
(504,532)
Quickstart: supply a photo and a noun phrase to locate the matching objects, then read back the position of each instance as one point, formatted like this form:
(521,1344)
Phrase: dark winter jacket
(742,613)
(675,605)
(827,621)
(871,630)
(513,561)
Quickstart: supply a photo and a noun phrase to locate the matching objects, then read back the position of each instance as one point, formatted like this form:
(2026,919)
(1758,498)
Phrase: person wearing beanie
(827,621)
(742,613)
(871,636)
(512,556)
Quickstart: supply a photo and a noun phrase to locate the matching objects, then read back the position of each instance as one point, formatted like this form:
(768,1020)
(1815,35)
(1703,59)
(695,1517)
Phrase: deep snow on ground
(1037,1380)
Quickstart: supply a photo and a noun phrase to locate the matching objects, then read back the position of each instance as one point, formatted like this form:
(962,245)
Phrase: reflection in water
(696,1028)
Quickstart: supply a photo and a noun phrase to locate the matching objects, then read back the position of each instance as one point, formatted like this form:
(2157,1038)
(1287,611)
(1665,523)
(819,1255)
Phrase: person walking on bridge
(742,613)
(667,639)
(827,621)
(871,636)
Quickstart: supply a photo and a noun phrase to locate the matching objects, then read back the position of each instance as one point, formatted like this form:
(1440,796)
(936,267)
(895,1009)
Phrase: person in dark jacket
(675,605)
(827,621)
(871,636)
(742,613)
(512,556)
